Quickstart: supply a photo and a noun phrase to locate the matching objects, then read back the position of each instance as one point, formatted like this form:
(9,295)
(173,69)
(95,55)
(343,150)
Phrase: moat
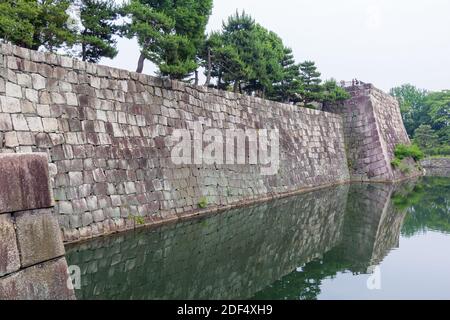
(358,241)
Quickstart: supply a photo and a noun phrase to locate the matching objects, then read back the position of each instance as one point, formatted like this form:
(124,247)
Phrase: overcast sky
(385,42)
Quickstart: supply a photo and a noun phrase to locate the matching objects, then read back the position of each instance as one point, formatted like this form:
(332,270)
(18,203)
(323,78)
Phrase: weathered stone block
(19,122)
(11,140)
(46,281)
(24,80)
(75,178)
(9,254)
(39,82)
(5,122)
(13,90)
(50,124)
(35,124)
(24,182)
(10,105)
(39,236)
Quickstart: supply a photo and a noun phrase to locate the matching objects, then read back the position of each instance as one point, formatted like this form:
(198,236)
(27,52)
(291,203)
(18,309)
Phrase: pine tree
(311,81)
(238,36)
(289,88)
(99,26)
(170,33)
(36,24)
(332,93)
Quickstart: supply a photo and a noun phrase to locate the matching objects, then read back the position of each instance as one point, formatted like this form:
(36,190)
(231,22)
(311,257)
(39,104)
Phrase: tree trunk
(236,86)
(83,51)
(208,75)
(140,66)
(219,80)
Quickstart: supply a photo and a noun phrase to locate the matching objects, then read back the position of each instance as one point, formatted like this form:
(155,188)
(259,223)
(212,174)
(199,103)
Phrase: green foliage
(425,137)
(438,106)
(290,86)
(311,83)
(411,101)
(403,151)
(396,162)
(170,33)
(35,24)
(332,93)
(245,57)
(203,202)
(408,197)
(439,151)
(99,25)
(423,216)
(426,116)
(138,220)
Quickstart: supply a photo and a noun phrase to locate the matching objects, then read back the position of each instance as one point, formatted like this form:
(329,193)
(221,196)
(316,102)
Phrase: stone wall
(439,167)
(108,136)
(107,133)
(32,262)
(373,127)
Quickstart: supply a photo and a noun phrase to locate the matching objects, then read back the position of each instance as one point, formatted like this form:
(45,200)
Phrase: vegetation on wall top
(242,57)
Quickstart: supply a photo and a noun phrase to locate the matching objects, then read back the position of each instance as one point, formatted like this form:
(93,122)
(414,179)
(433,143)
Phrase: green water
(359,241)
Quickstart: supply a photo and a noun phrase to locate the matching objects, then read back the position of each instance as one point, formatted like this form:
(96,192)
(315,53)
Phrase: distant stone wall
(439,167)
(32,262)
(373,127)
(108,136)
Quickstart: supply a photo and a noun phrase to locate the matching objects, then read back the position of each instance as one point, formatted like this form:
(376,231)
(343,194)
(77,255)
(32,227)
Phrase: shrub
(403,151)
(203,202)
(396,162)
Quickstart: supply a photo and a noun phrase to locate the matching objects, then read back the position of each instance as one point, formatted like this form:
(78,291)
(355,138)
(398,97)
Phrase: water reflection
(251,252)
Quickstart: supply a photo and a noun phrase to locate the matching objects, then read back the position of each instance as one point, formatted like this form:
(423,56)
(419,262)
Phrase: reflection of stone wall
(371,229)
(32,263)
(372,225)
(241,252)
(437,167)
(230,255)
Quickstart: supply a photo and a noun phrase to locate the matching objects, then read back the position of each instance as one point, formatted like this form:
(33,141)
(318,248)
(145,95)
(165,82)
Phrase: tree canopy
(246,57)
(426,116)
(170,33)
(98,27)
(243,56)
(36,23)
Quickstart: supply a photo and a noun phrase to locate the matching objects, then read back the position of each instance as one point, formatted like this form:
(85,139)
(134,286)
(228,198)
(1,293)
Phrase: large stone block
(46,281)
(9,255)
(24,182)
(39,236)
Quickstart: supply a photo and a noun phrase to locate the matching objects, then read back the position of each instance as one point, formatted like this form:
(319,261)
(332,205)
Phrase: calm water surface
(363,241)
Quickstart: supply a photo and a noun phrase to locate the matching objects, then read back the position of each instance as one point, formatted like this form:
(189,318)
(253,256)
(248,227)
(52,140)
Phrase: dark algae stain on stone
(24,182)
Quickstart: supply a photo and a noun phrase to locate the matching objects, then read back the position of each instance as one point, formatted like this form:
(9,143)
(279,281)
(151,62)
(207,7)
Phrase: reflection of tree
(428,207)
(305,285)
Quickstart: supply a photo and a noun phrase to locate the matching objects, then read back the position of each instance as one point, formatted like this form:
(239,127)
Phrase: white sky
(385,42)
